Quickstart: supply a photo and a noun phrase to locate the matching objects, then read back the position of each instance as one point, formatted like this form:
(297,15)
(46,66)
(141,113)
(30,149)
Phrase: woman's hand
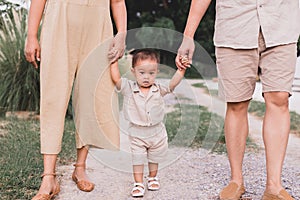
(32,50)
(185,53)
(117,47)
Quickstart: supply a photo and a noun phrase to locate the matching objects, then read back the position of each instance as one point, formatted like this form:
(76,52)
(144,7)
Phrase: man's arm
(197,11)
(179,74)
(115,75)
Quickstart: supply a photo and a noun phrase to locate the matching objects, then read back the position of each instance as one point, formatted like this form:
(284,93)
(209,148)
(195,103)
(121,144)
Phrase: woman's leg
(80,172)
(48,182)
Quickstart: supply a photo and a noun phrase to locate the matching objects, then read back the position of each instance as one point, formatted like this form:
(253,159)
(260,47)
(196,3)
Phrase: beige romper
(71,30)
(147,132)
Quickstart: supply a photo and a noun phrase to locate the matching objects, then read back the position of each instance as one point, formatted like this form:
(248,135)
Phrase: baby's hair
(144,54)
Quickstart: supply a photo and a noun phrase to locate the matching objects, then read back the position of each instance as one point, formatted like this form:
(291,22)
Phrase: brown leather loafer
(283,195)
(232,191)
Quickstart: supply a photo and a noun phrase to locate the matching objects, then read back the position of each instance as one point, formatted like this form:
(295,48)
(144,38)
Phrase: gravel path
(188,173)
(190,177)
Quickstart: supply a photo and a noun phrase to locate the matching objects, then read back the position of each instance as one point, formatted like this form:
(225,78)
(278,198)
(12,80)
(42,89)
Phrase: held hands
(32,50)
(117,47)
(185,53)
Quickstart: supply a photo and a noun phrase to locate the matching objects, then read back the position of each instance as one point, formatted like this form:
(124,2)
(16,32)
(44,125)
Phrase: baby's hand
(184,60)
(185,53)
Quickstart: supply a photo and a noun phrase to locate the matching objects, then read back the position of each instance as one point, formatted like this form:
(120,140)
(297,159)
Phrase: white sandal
(153,181)
(140,187)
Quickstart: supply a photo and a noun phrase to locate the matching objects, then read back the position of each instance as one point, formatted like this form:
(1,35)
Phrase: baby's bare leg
(153,169)
(138,172)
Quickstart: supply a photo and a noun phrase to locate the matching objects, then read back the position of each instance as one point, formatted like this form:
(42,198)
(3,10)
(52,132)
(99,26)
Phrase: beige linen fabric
(238,22)
(238,68)
(71,29)
(147,133)
(148,143)
(143,110)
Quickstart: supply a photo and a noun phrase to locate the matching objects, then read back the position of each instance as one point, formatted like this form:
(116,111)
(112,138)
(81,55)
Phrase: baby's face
(145,72)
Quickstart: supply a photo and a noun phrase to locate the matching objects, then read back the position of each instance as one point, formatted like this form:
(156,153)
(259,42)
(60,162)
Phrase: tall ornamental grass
(19,81)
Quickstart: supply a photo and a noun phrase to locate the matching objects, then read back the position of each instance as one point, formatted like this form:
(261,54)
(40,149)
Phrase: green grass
(295,123)
(258,109)
(211,92)
(199,85)
(195,118)
(20,158)
(208,126)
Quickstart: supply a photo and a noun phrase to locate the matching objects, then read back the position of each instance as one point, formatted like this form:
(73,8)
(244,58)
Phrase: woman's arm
(32,47)
(119,13)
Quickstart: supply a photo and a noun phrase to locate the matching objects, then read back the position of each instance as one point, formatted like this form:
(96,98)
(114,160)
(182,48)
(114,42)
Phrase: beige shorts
(148,144)
(238,69)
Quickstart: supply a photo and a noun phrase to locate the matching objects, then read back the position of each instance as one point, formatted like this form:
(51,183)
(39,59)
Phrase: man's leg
(276,130)
(278,69)
(236,132)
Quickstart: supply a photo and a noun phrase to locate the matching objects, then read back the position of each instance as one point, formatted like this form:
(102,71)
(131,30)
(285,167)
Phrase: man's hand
(117,47)
(185,53)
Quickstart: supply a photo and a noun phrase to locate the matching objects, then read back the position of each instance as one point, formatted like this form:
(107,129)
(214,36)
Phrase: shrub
(19,81)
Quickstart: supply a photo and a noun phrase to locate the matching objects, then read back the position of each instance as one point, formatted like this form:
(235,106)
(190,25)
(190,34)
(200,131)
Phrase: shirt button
(260,6)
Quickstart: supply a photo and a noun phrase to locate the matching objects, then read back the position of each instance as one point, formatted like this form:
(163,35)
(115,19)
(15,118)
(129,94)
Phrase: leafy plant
(19,81)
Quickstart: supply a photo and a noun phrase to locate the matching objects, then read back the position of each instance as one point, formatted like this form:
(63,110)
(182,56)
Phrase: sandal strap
(140,187)
(48,174)
(152,179)
(79,165)
(153,183)
(139,184)
(141,190)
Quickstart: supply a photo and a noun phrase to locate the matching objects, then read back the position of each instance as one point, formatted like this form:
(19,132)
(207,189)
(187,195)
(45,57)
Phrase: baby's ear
(132,69)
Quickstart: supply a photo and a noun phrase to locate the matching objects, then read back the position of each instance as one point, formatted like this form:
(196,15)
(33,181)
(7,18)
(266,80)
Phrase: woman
(71,29)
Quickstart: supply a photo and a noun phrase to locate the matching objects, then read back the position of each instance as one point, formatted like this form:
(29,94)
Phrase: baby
(143,107)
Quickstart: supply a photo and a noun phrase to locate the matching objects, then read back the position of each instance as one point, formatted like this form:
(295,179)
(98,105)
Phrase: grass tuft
(20,158)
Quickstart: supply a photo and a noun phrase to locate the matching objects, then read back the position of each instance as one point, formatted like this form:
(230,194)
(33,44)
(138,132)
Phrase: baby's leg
(138,172)
(153,183)
(153,169)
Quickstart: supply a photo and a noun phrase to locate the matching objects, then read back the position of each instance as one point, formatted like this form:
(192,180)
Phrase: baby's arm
(115,74)
(179,74)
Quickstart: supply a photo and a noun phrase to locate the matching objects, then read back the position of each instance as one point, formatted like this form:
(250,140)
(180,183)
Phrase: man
(251,34)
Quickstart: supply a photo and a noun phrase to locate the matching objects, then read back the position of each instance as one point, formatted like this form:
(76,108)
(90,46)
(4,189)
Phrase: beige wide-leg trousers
(71,30)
